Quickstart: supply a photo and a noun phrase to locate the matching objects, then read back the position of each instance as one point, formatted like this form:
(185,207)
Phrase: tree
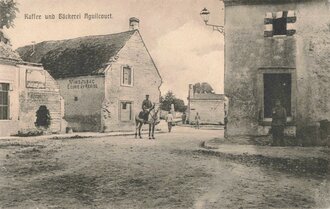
(8,9)
(167,101)
(171,99)
(203,88)
(179,105)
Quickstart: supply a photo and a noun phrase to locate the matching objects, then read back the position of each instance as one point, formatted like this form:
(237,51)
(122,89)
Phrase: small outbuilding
(209,106)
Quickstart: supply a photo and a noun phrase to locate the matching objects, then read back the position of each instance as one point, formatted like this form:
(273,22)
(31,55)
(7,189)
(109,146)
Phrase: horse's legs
(149,131)
(136,128)
(153,131)
(140,126)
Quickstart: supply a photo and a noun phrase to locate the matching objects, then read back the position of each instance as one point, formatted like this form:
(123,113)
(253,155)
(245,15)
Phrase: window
(75,98)
(4,101)
(126,111)
(127,76)
(280,23)
(279,26)
(124,105)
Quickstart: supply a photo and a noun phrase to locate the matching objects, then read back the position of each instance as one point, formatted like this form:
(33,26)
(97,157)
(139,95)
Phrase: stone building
(277,50)
(103,78)
(24,89)
(210,107)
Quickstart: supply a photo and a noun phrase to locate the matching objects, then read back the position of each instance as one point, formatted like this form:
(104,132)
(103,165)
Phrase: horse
(153,120)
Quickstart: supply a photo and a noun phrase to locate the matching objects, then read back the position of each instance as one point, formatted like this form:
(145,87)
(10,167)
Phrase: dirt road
(123,172)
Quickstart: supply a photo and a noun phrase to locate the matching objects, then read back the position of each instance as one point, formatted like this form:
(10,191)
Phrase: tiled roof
(78,56)
(208,97)
(6,52)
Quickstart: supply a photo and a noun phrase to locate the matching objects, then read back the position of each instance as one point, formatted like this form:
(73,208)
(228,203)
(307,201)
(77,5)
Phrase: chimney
(133,23)
(33,48)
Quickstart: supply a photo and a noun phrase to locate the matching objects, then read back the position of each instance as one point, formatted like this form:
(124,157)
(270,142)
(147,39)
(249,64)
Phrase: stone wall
(146,80)
(9,74)
(83,97)
(31,98)
(313,80)
(210,111)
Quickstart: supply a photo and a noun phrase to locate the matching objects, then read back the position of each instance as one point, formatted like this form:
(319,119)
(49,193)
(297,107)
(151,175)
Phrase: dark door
(277,86)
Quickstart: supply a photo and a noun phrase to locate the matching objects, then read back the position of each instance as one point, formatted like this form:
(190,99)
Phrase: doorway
(43,117)
(277,86)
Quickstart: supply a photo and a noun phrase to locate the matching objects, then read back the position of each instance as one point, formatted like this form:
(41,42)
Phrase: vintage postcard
(134,104)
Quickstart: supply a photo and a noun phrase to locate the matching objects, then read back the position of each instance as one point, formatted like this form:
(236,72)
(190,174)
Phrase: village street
(123,172)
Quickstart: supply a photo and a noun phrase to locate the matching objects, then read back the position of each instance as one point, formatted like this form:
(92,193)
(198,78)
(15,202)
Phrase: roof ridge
(98,47)
(80,37)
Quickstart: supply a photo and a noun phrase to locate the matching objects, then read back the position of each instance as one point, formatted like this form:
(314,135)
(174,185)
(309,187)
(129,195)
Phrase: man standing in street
(146,107)
(184,117)
(197,119)
(169,120)
(278,124)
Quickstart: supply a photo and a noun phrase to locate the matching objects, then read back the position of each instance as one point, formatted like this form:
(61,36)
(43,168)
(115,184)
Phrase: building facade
(104,80)
(24,89)
(209,106)
(277,50)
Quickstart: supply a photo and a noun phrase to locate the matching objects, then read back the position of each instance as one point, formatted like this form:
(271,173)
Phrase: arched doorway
(43,117)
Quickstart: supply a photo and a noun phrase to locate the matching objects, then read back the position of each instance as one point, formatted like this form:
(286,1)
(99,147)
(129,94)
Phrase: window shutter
(268,21)
(290,25)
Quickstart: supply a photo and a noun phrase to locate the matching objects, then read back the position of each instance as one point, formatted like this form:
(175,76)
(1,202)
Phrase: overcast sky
(184,50)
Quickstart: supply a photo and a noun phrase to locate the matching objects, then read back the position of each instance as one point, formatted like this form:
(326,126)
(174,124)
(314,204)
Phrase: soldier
(197,119)
(184,117)
(278,124)
(146,107)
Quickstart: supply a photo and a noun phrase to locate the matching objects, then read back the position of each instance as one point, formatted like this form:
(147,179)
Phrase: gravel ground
(123,172)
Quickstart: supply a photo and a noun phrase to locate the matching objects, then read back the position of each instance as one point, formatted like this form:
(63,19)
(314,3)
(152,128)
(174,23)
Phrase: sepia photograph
(177,104)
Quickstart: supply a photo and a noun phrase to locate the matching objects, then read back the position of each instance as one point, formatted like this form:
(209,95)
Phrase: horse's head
(155,110)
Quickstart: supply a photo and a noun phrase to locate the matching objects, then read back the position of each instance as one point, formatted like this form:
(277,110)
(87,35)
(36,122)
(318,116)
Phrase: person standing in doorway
(197,119)
(278,124)
(169,120)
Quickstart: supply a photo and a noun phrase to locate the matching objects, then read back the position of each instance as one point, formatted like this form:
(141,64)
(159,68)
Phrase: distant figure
(169,120)
(184,117)
(278,124)
(146,107)
(197,119)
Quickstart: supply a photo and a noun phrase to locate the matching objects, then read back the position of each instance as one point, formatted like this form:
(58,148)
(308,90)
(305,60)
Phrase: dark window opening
(279,26)
(277,86)
(75,98)
(4,101)
(126,111)
(124,105)
(127,76)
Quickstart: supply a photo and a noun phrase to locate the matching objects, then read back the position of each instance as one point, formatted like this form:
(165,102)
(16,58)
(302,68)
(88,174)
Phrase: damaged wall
(31,97)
